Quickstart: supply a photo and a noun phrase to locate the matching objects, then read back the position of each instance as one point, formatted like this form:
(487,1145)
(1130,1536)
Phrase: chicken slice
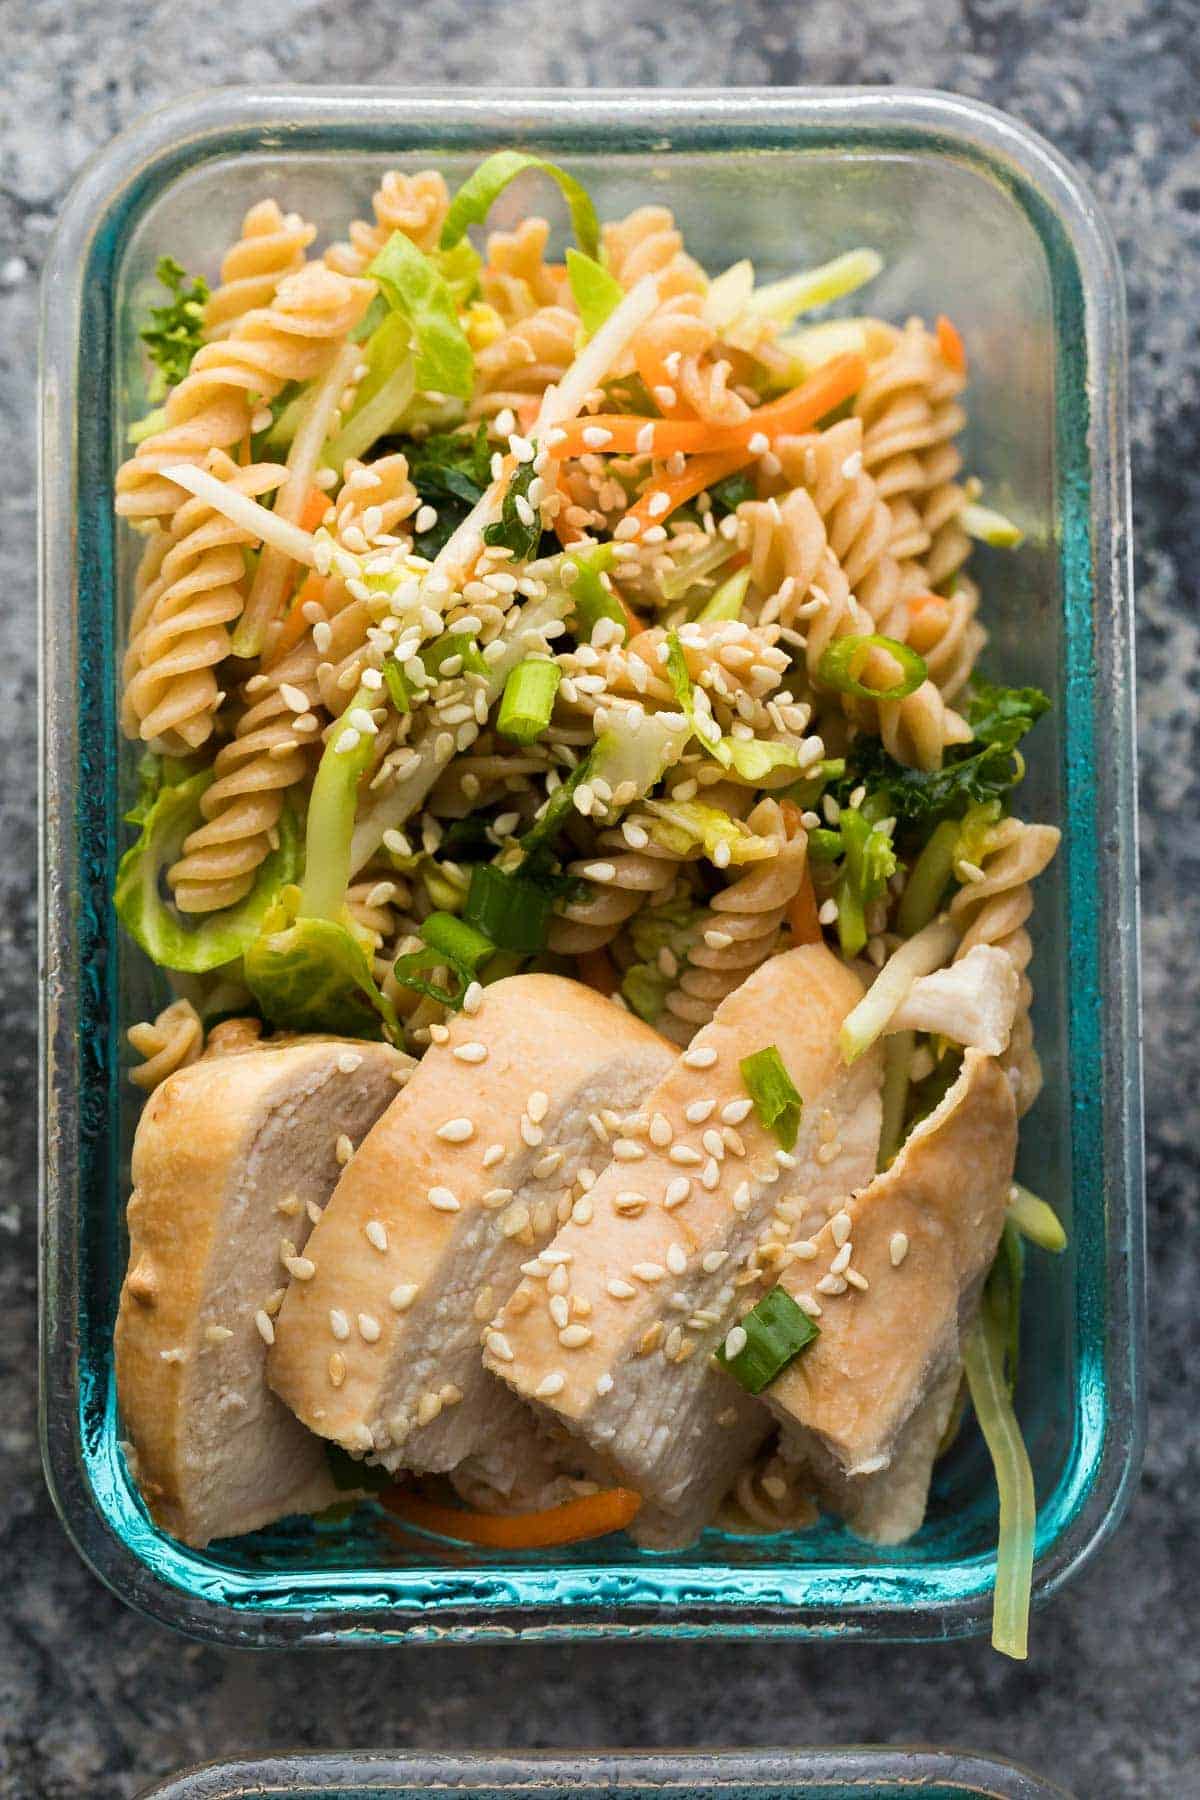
(465,1177)
(921,1238)
(614,1329)
(973,1002)
(230,1156)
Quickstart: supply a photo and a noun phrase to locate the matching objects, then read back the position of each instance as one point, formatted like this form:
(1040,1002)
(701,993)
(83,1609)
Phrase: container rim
(226,121)
(916,1766)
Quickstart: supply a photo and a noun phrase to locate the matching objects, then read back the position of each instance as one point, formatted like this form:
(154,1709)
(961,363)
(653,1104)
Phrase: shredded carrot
(572,1523)
(916,603)
(802,913)
(596,970)
(313,510)
(793,818)
(244,451)
(295,624)
(566,534)
(951,345)
(655,374)
(701,472)
(527,412)
(633,625)
(792,412)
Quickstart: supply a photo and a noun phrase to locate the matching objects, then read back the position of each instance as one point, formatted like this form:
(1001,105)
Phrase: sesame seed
(472,999)
(712,1260)
(492,1155)
(735,1111)
(685,1155)
(831,1284)
(532,1134)
(648,1271)
(698,1111)
(471,1053)
(677,1259)
(301,1268)
(677,1191)
(582,1211)
(499,1346)
(266,1330)
(560,1311)
(574,1337)
(442,1200)
(841,1261)
(660,1130)
(714,1143)
(700,1056)
(497,1196)
(339,1324)
(620,1290)
(376,1234)
(514,1220)
(428,1408)
(626,1150)
(710,1175)
(828,912)
(294,698)
(898,1248)
(858,1280)
(604,1384)
(807,1303)
(456,1131)
(537,1106)
(402,1297)
(343,1149)
(289,1206)
(840,1227)
(803,1249)
(736,1341)
(551,1384)
(741,1199)
(369,1328)
(348,1061)
(217,1334)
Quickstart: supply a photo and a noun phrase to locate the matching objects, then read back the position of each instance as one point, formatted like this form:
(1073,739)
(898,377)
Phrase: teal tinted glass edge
(838,1600)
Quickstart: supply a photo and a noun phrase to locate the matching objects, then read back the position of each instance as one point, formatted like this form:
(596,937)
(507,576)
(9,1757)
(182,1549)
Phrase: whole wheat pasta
(171,1040)
(413,204)
(271,246)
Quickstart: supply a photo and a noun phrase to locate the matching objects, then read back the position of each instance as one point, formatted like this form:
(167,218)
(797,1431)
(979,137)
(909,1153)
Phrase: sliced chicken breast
(973,1002)
(897,1273)
(466,1177)
(613,1329)
(232,1158)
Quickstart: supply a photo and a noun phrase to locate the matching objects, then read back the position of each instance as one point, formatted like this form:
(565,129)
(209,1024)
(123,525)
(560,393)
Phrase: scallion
(726,602)
(774,1094)
(843,662)
(1035,1220)
(454,643)
(398,685)
(511,913)
(773,1334)
(450,944)
(528,701)
(591,599)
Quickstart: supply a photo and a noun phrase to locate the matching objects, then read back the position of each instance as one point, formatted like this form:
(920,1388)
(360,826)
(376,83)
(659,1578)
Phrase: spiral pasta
(769,1495)
(910,414)
(620,882)
(293,339)
(993,909)
(414,204)
(191,587)
(271,246)
(646,242)
(516,278)
(168,1042)
(742,928)
(526,359)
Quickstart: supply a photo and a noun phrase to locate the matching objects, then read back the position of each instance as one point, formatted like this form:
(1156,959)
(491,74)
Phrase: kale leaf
(175,331)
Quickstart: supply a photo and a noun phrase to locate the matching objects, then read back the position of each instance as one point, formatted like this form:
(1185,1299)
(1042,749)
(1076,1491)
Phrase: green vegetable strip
(727,601)
(841,664)
(476,196)
(591,600)
(927,882)
(413,286)
(776,1331)
(345,760)
(983,1356)
(454,643)
(897,1056)
(450,944)
(597,293)
(1035,1220)
(398,685)
(528,701)
(513,913)
(774,1094)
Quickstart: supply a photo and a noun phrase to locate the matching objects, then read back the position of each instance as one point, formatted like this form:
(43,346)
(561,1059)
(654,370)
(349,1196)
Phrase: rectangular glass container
(975,217)
(866,1773)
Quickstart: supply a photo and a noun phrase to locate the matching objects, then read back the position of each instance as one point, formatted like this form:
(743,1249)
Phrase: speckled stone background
(95,1703)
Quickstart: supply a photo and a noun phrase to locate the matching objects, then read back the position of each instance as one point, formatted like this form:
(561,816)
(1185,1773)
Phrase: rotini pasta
(168,1042)
(271,246)
(414,204)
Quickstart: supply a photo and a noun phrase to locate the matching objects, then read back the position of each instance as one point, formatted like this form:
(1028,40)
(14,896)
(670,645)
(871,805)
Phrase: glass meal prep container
(867,1773)
(975,217)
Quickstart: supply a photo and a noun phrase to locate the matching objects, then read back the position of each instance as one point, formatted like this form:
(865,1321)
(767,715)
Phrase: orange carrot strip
(951,345)
(916,603)
(700,473)
(295,624)
(792,412)
(802,913)
(572,1523)
(596,970)
(313,510)
(655,375)
(633,625)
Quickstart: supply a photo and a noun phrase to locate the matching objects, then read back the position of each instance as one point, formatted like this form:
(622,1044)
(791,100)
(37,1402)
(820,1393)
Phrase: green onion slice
(528,701)
(775,1331)
(450,944)
(590,598)
(511,913)
(400,690)
(843,662)
(774,1094)
(454,643)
